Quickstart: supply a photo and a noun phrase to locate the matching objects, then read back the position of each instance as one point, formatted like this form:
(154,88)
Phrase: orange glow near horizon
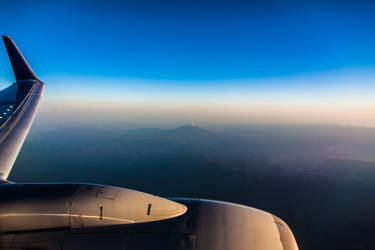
(339,98)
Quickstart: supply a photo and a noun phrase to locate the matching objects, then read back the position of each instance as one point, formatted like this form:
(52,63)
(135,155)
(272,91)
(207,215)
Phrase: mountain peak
(192,132)
(192,126)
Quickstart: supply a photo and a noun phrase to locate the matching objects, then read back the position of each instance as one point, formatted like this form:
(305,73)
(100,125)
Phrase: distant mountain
(183,134)
(290,146)
(194,133)
(192,127)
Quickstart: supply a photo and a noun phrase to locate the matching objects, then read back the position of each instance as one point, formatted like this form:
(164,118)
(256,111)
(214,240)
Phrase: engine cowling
(26,207)
(85,216)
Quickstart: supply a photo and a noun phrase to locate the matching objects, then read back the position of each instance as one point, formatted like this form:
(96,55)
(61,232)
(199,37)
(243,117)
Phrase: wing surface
(18,105)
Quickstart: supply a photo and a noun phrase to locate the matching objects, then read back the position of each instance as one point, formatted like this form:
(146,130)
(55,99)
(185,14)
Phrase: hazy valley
(319,178)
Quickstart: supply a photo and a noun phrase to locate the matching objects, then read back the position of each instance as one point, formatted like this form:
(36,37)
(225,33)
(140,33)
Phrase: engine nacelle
(26,207)
(84,216)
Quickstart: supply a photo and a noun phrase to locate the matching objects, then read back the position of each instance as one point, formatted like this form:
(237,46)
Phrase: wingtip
(21,69)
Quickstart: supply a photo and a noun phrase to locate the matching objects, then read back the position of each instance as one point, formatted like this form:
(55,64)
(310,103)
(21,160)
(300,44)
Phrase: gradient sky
(212,62)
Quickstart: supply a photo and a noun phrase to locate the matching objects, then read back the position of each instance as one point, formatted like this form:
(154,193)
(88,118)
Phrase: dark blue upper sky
(190,40)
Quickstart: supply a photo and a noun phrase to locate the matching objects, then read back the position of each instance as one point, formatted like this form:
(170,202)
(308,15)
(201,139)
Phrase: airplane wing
(18,105)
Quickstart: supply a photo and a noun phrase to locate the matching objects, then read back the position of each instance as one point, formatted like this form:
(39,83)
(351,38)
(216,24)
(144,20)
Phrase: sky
(168,63)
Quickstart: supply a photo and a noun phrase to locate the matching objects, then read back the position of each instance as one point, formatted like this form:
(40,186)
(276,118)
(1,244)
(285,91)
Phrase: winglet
(21,69)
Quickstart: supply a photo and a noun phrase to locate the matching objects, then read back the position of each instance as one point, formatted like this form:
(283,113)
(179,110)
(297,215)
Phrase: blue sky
(191,40)
(197,51)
